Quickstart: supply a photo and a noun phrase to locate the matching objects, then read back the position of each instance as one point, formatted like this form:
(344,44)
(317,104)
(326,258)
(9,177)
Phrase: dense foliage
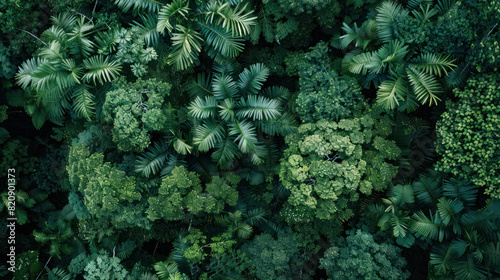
(250,139)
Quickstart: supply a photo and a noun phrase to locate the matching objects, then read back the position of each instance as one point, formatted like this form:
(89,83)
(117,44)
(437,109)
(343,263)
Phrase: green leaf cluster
(468,134)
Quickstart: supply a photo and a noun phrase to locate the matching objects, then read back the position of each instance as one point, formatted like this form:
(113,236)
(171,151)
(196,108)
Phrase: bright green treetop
(468,134)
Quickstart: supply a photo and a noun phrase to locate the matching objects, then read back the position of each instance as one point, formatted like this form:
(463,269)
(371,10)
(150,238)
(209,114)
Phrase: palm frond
(391,92)
(255,216)
(356,34)
(101,69)
(65,20)
(56,33)
(468,268)
(246,135)
(444,6)
(200,87)
(360,63)
(413,4)
(252,78)
(458,77)
(27,74)
(434,64)
(221,40)
(429,227)
(151,162)
(227,109)
(180,145)
(208,134)
(148,27)
(151,6)
(443,256)
(224,87)
(462,190)
(225,153)
(425,13)
(171,14)
(428,188)
(449,211)
(280,93)
(82,47)
(83,103)
(425,87)
(187,46)
(259,108)
(203,108)
(283,125)
(387,13)
(236,21)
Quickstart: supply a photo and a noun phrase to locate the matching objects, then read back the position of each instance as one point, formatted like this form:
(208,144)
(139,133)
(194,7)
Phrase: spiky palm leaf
(171,14)
(246,135)
(387,13)
(100,69)
(425,87)
(208,134)
(391,92)
(252,78)
(259,108)
(152,161)
(434,64)
(221,40)
(151,6)
(187,46)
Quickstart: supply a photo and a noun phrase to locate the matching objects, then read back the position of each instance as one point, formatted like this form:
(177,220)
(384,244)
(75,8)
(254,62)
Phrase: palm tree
(404,77)
(228,113)
(64,75)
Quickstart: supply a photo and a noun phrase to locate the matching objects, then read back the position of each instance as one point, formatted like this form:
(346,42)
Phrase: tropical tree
(218,26)
(448,215)
(229,113)
(65,75)
(404,76)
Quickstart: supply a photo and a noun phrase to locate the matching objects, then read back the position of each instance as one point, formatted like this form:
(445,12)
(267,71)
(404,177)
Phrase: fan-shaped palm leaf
(429,227)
